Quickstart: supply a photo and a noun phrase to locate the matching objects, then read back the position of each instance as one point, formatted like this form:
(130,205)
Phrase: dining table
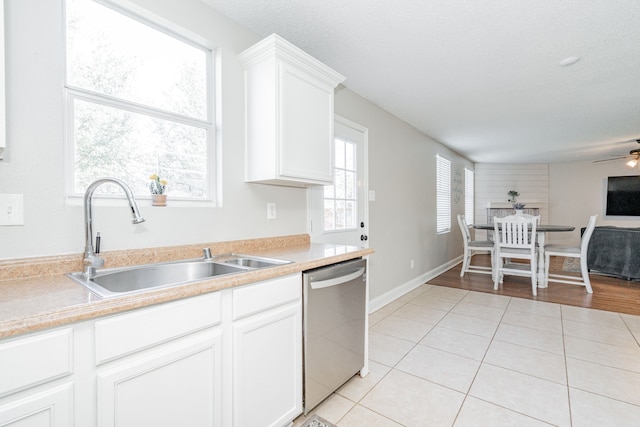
(541,230)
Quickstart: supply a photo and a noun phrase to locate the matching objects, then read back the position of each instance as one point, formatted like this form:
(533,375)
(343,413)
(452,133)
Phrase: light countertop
(36,294)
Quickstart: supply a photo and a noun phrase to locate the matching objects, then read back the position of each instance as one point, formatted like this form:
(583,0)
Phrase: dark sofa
(615,251)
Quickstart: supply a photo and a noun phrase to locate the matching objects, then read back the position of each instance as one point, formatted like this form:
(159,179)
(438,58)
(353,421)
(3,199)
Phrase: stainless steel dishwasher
(334,316)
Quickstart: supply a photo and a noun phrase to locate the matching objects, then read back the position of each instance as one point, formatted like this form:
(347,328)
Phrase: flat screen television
(623,195)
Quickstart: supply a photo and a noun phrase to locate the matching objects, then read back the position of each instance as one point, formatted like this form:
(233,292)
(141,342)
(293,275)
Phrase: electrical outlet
(271,210)
(11,209)
(411,263)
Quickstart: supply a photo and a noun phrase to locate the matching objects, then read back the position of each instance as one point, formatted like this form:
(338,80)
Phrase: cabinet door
(306,117)
(289,115)
(267,367)
(178,383)
(22,365)
(49,408)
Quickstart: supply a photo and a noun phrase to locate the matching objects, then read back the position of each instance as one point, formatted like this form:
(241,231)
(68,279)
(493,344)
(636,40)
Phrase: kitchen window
(139,102)
(443,195)
(469,192)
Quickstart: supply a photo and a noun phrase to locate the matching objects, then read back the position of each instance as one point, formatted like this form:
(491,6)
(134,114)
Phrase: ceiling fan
(633,156)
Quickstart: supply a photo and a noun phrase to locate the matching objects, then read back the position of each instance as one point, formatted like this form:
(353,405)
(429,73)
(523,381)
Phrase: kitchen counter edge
(38,303)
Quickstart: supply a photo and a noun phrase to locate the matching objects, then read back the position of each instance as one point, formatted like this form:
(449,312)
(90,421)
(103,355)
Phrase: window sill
(143,203)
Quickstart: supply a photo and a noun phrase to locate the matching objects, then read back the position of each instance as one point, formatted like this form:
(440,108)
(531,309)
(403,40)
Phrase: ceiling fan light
(632,163)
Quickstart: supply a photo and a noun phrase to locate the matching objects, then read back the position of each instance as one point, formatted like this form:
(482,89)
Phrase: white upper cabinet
(289,115)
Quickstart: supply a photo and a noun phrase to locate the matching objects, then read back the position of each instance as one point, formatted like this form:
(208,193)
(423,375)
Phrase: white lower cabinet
(36,383)
(48,407)
(267,376)
(232,357)
(161,366)
(179,383)
(267,353)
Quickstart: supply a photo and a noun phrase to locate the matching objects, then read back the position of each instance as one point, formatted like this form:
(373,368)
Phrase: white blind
(443,195)
(468,196)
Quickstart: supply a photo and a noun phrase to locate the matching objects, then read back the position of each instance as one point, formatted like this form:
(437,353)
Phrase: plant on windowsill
(157,188)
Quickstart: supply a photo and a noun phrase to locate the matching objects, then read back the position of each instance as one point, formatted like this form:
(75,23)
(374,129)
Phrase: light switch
(372,195)
(11,209)
(271,211)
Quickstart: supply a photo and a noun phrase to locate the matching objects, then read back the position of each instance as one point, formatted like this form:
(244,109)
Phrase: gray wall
(402,218)
(401,161)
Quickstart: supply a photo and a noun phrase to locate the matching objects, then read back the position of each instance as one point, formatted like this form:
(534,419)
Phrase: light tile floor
(448,357)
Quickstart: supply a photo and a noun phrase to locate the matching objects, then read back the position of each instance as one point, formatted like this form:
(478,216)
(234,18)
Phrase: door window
(340,199)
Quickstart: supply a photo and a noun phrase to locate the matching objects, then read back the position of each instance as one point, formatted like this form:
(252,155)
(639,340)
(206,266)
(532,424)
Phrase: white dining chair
(579,252)
(536,217)
(472,247)
(515,238)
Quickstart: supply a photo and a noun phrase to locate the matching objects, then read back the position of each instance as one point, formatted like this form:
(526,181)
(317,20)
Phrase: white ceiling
(483,77)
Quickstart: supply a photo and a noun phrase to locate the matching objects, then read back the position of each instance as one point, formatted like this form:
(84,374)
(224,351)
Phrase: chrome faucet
(91,259)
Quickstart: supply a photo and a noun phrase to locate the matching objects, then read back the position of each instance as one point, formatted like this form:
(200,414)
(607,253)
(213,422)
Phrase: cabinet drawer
(126,333)
(265,295)
(35,359)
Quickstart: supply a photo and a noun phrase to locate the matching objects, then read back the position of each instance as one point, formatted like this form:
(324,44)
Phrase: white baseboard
(395,293)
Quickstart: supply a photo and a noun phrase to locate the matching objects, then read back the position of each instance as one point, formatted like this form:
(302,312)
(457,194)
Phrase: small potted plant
(513,198)
(157,188)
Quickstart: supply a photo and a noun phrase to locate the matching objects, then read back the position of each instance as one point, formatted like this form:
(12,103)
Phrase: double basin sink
(123,281)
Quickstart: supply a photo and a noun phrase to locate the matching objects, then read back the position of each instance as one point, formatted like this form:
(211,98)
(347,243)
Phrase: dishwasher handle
(336,280)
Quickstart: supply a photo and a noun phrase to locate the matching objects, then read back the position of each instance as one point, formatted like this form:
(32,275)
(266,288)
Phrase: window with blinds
(443,195)
(468,196)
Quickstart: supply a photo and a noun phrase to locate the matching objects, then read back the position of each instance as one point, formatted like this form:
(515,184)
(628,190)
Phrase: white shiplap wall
(493,181)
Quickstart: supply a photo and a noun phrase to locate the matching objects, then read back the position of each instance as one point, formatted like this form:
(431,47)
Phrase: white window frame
(469,194)
(443,195)
(335,199)
(213,171)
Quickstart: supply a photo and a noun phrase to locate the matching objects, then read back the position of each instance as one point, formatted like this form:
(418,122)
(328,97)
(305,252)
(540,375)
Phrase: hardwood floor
(611,294)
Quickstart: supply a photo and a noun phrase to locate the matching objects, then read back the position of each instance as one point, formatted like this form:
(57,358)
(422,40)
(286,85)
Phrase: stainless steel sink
(253,262)
(136,279)
(122,281)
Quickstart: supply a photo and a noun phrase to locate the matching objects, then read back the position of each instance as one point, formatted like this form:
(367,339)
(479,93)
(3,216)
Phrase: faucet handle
(206,253)
(94,261)
(91,262)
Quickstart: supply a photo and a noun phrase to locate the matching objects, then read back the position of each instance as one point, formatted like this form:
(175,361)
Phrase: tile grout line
(566,357)
(637,339)
(493,339)
(566,366)
(391,368)
(481,363)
